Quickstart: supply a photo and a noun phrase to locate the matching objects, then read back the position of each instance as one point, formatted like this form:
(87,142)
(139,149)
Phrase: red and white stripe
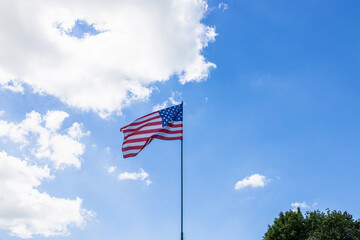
(142,131)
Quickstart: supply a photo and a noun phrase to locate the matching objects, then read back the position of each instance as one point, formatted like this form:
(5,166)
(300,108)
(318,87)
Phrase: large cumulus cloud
(140,42)
(25,211)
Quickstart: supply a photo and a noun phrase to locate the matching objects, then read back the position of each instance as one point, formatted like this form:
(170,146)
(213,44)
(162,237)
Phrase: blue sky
(281,105)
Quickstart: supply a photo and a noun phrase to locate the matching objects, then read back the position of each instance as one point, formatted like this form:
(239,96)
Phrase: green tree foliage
(316,225)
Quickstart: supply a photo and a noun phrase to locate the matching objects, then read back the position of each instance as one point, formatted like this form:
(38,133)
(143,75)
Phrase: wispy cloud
(141,176)
(12,85)
(295,205)
(303,205)
(223,6)
(111,169)
(254,181)
(108,150)
(174,99)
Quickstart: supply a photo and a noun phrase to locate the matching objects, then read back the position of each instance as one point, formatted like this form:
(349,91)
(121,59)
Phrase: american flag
(165,124)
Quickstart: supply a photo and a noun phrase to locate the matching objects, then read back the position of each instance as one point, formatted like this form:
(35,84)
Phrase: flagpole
(182,195)
(182,181)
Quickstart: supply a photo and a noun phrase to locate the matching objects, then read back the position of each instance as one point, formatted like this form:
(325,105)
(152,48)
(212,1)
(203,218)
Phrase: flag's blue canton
(171,114)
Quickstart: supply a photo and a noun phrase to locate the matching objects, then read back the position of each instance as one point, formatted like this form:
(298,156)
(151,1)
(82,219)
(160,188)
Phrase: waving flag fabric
(165,124)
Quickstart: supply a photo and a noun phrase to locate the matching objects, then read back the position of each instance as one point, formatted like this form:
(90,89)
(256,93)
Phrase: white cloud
(76,131)
(2,112)
(141,42)
(12,85)
(174,99)
(223,6)
(148,182)
(296,205)
(54,119)
(300,204)
(40,133)
(111,169)
(303,204)
(25,211)
(160,106)
(108,150)
(199,70)
(141,175)
(255,180)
